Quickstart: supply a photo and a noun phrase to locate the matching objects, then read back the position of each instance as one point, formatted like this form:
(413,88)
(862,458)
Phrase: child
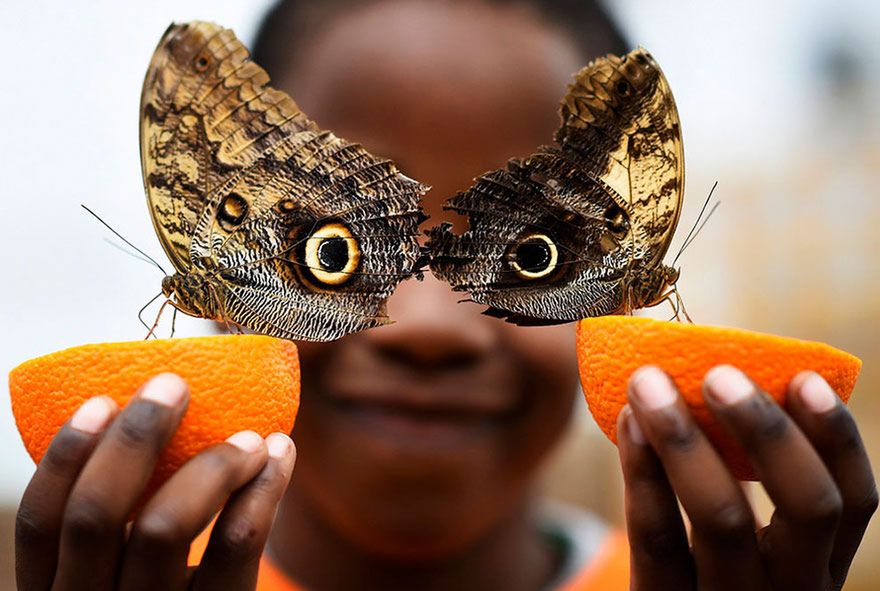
(419,443)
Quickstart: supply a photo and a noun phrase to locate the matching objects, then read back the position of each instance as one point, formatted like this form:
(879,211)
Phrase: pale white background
(746,77)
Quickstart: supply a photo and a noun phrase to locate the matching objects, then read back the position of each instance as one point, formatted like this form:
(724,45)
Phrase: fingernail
(728,385)
(166,389)
(94,415)
(652,388)
(635,431)
(817,395)
(280,446)
(246,441)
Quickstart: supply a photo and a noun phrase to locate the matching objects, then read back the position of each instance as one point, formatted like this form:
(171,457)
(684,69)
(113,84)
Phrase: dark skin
(420,442)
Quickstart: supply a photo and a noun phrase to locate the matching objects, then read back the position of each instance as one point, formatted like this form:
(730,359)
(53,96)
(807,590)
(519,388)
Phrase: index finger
(113,480)
(660,557)
(38,522)
(725,548)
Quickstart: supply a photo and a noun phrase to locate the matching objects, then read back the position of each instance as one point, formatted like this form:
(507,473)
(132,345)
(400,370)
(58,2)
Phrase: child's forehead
(448,90)
(391,59)
(449,36)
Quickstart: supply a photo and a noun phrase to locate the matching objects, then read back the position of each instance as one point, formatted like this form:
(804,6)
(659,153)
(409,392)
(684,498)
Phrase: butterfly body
(579,228)
(270,222)
(649,288)
(194,294)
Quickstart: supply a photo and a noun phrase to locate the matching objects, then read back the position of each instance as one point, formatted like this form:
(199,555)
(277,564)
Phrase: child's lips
(419,427)
(447,405)
(437,397)
(427,403)
(440,412)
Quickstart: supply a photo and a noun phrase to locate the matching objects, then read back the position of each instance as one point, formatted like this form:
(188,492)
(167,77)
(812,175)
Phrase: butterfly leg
(232,327)
(677,304)
(667,297)
(152,332)
(628,307)
(173,321)
(147,305)
(680,304)
(675,315)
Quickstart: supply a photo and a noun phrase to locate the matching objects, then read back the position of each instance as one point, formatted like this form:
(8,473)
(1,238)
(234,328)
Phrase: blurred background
(778,104)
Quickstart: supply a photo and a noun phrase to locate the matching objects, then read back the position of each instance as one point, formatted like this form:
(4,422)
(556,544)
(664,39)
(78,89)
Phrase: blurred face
(419,436)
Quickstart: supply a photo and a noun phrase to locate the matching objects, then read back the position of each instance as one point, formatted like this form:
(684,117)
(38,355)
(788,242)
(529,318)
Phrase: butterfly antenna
(705,221)
(118,235)
(697,227)
(126,251)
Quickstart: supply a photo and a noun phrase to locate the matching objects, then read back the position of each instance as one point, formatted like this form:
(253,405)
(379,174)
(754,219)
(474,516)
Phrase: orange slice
(611,348)
(236,382)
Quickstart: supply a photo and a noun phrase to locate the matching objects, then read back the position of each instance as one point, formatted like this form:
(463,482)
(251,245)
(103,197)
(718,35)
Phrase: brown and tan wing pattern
(570,231)
(206,112)
(627,102)
(293,231)
(303,185)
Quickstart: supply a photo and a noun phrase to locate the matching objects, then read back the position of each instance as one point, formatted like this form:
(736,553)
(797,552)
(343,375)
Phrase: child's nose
(432,330)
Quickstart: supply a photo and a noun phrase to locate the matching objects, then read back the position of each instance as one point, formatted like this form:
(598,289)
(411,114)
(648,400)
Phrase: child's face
(420,435)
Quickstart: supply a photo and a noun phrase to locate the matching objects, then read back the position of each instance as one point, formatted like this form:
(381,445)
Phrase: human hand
(71,530)
(811,462)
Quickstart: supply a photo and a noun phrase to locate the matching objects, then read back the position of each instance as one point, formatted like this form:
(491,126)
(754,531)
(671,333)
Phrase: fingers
(156,553)
(808,504)
(660,555)
(831,429)
(725,548)
(38,523)
(232,558)
(111,483)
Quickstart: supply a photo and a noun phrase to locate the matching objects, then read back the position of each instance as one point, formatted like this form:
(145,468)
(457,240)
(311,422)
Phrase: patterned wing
(565,233)
(206,113)
(620,111)
(536,244)
(311,240)
(300,234)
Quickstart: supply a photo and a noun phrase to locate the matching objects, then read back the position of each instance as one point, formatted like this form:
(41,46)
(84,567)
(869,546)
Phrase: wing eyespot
(232,211)
(616,221)
(287,206)
(331,254)
(201,63)
(534,257)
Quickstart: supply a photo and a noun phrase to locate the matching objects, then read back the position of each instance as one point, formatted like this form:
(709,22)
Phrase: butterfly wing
(540,200)
(564,233)
(306,190)
(206,112)
(622,108)
(238,179)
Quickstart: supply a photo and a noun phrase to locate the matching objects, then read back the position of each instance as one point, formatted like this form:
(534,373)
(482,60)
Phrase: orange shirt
(607,571)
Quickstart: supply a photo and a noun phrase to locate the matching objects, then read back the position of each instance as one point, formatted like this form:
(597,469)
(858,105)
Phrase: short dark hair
(288,23)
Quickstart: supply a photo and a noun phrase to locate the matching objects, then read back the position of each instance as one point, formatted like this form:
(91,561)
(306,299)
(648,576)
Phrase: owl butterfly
(579,228)
(271,223)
